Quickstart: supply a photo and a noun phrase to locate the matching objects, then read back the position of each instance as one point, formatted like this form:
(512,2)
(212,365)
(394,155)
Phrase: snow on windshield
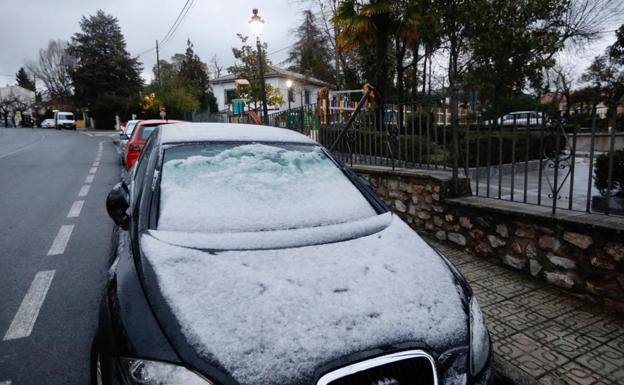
(235,187)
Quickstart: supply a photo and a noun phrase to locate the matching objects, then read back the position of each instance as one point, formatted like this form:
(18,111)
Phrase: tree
(217,67)
(195,73)
(368,24)
(106,78)
(247,67)
(606,75)
(310,54)
(53,68)
(616,51)
(23,80)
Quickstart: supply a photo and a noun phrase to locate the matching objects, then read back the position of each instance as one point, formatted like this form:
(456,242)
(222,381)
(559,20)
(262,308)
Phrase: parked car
(137,139)
(47,123)
(523,118)
(249,255)
(64,120)
(125,135)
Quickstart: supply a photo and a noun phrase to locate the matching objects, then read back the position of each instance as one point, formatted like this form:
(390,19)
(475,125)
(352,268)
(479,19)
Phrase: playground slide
(256,119)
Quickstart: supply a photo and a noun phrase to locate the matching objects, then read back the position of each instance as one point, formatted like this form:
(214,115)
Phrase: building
(305,89)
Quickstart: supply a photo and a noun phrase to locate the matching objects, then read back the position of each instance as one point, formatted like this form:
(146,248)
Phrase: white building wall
(276,82)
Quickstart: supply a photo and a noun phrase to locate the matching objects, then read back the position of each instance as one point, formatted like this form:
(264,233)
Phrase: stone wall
(581,253)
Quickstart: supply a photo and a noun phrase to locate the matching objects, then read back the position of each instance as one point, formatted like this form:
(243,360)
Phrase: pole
(265,111)
(158,63)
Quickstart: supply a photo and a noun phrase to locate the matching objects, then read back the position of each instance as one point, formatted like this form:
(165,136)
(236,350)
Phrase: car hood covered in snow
(273,316)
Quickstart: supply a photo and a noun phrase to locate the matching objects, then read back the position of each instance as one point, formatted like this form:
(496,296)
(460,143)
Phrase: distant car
(523,119)
(47,123)
(64,120)
(249,255)
(125,135)
(136,140)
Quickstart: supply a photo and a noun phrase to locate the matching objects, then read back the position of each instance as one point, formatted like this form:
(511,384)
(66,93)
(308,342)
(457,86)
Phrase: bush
(601,174)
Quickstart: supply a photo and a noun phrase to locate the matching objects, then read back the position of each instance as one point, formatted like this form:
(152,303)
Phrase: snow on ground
(272,316)
(256,187)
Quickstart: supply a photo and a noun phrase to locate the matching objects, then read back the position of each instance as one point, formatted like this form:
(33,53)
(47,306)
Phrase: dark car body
(137,322)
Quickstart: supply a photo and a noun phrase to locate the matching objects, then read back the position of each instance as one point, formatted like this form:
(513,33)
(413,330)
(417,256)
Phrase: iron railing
(528,157)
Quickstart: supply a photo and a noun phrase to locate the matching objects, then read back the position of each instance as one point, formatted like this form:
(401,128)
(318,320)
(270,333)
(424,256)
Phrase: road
(55,240)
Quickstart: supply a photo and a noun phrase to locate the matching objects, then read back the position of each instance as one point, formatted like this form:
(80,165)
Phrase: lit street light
(257,25)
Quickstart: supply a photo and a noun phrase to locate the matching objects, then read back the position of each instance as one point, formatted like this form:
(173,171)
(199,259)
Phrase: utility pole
(158,63)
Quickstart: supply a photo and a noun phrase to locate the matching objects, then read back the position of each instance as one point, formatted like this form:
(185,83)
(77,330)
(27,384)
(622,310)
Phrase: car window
(141,165)
(146,130)
(246,187)
(66,116)
(130,128)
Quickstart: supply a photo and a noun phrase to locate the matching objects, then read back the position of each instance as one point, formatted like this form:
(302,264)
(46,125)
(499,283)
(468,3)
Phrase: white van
(64,120)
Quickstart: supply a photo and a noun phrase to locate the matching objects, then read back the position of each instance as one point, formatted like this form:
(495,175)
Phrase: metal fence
(526,157)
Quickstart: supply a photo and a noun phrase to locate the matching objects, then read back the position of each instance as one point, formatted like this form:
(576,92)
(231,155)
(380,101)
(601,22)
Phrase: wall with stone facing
(581,253)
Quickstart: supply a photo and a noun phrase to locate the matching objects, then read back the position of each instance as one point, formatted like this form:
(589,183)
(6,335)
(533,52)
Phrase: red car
(141,132)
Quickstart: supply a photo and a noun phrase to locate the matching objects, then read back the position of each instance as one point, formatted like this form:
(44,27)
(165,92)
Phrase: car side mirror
(117,203)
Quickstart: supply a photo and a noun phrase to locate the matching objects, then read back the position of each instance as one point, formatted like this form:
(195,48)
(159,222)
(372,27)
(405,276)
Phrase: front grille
(413,367)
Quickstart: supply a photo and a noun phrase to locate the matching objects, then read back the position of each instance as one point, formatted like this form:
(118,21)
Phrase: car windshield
(130,128)
(66,116)
(246,187)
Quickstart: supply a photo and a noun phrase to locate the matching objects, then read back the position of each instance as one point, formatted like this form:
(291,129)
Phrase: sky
(27,25)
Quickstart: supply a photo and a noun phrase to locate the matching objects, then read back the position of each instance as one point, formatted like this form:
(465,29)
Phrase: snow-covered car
(47,123)
(248,255)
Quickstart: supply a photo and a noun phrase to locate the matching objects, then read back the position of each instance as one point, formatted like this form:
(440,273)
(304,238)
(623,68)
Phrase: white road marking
(84,191)
(89,178)
(5,383)
(96,163)
(61,240)
(93,170)
(74,211)
(26,316)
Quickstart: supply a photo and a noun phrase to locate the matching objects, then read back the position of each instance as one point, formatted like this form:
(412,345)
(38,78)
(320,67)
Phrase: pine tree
(106,78)
(311,54)
(196,74)
(23,80)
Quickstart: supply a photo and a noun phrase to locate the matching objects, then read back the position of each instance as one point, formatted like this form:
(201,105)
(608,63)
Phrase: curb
(505,373)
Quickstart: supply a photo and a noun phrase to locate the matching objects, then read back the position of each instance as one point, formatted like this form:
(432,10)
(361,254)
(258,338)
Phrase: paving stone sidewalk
(541,335)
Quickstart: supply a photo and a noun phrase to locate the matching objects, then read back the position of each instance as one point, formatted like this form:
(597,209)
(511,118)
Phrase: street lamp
(257,25)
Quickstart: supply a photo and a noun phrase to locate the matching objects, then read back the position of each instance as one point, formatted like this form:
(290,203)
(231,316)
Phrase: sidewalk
(541,335)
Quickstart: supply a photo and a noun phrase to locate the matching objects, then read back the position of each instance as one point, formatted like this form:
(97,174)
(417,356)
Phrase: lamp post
(257,25)
(289,84)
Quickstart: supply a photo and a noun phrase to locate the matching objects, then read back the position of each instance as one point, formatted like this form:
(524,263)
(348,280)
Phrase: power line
(280,50)
(179,20)
(172,30)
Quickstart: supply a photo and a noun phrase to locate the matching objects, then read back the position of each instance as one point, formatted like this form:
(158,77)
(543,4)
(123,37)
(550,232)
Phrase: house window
(307,97)
(230,95)
(291,95)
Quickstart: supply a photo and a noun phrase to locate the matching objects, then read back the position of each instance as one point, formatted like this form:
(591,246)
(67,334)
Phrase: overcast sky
(212,25)
(28,25)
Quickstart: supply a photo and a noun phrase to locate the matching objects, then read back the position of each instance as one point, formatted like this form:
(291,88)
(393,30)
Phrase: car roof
(157,121)
(208,132)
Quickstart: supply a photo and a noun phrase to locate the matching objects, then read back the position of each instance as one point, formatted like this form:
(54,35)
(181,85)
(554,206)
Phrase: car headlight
(146,372)
(479,339)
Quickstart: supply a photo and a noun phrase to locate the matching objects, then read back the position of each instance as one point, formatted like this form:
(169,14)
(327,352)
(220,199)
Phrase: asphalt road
(54,251)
